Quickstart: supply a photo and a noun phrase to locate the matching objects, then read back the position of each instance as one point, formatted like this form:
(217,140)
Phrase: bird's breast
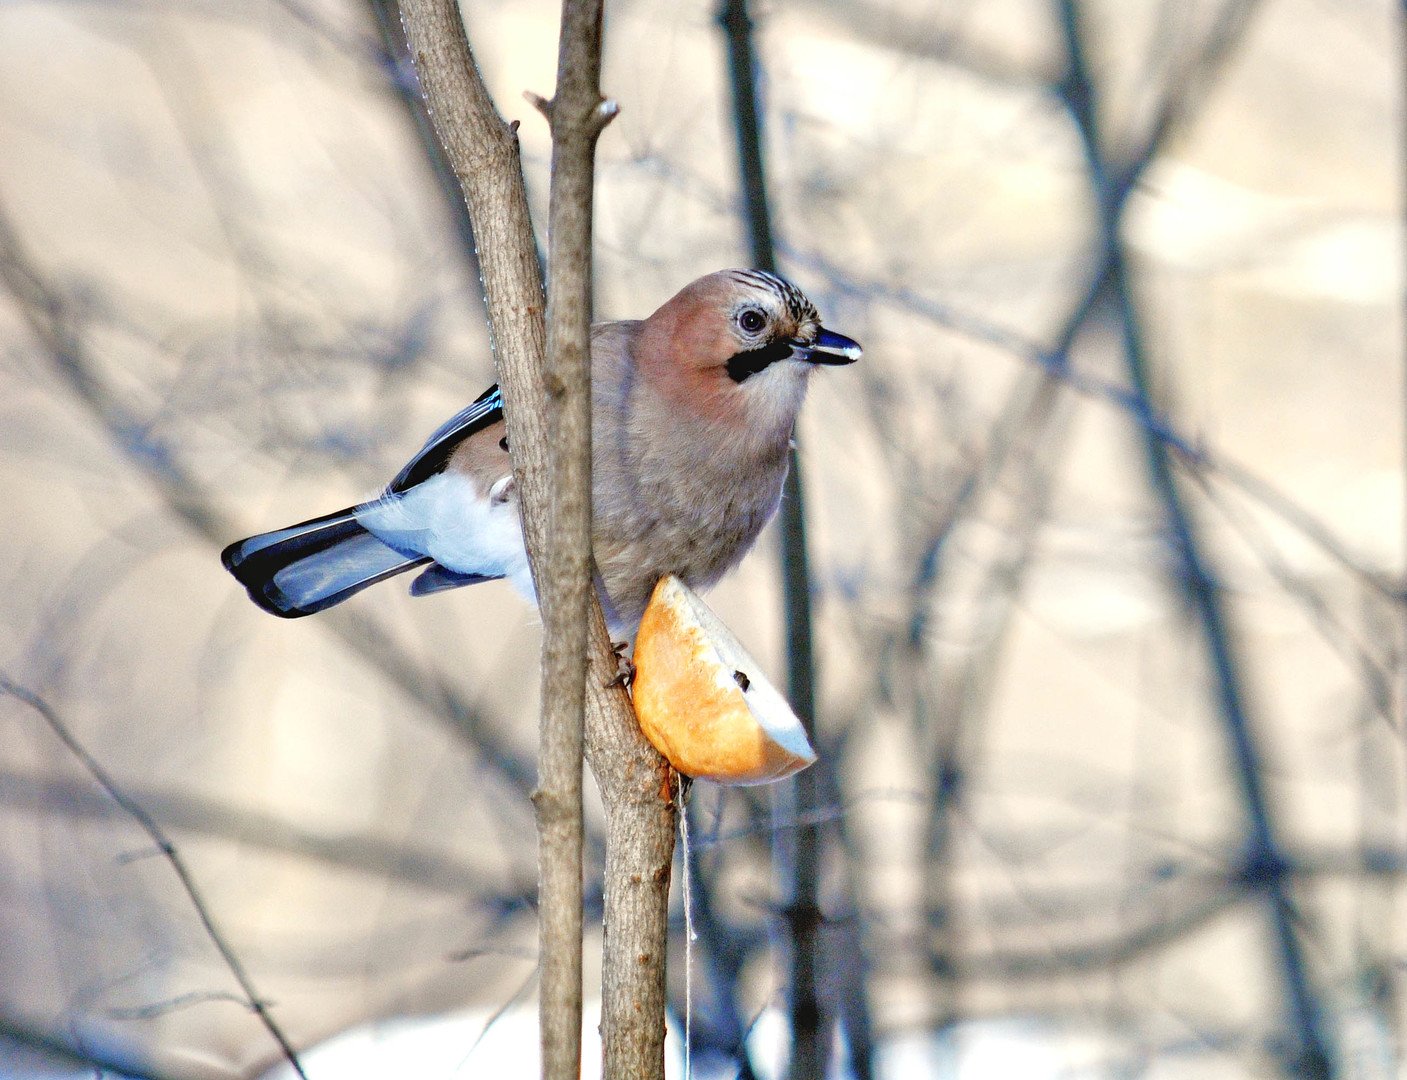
(681,512)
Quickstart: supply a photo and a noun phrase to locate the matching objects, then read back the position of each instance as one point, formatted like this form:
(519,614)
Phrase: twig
(401,75)
(49,315)
(798,854)
(1111,187)
(396,861)
(101,1065)
(148,824)
(577,114)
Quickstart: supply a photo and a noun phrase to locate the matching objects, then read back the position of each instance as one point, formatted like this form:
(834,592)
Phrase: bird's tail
(311,566)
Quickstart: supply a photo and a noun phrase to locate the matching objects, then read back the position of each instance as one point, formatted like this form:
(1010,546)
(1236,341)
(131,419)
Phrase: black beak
(828,348)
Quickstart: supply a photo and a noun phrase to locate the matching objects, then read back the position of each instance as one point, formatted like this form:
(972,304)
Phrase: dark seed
(503,443)
(742,680)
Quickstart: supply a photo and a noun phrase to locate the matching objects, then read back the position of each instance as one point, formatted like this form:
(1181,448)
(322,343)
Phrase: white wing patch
(447,518)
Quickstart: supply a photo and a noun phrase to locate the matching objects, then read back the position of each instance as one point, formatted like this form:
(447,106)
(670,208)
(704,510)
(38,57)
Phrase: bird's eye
(752,320)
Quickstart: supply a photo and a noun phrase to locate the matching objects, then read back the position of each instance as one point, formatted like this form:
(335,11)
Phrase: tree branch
(1196,573)
(249,996)
(798,852)
(635,782)
(576,114)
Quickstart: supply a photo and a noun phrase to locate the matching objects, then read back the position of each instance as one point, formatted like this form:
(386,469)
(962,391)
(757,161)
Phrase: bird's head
(741,343)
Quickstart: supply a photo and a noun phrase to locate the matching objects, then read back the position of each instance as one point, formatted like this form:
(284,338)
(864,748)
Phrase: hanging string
(689,936)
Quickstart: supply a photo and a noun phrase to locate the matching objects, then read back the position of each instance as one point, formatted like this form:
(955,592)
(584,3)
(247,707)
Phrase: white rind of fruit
(704,702)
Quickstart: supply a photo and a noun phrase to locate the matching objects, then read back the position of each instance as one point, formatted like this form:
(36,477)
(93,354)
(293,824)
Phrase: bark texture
(636,783)
(576,115)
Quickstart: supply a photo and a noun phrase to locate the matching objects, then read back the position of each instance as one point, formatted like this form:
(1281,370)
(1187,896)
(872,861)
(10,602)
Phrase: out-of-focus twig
(251,998)
(401,75)
(1111,184)
(726,951)
(799,852)
(397,861)
(59,1053)
(59,329)
(1189,452)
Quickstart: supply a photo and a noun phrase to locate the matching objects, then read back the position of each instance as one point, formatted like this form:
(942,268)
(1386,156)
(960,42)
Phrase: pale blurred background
(236,293)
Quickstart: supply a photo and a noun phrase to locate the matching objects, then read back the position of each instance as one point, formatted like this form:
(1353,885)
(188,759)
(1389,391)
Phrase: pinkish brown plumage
(692,416)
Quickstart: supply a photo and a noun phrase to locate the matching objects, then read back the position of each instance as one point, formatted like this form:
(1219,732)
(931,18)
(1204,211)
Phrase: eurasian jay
(692,418)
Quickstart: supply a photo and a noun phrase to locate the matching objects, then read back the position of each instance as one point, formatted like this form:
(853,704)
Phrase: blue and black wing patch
(487,409)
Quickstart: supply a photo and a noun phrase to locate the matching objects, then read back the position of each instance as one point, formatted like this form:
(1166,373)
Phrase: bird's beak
(828,348)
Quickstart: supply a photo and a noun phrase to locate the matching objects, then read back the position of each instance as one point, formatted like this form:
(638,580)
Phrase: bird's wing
(487,409)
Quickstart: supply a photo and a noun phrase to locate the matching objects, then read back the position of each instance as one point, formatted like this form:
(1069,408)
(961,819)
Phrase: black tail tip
(266,595)
(232,556)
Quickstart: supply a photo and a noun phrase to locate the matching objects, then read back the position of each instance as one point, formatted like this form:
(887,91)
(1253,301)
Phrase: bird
(693,412)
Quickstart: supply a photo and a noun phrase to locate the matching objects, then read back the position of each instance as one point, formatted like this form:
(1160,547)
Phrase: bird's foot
(625,667)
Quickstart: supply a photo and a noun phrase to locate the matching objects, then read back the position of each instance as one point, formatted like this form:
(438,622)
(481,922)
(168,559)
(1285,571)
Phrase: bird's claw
(625,667)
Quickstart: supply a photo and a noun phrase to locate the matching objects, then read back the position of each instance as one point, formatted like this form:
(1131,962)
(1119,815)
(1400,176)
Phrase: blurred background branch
(1194,576)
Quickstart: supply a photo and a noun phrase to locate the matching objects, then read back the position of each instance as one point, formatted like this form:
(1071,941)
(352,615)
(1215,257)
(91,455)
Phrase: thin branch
(576,114)
(634,780)
(394,860)
(148,824)
(798,853)
(60,1053)
(52,320)
(725,953)
(1197,577)
(400,74)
